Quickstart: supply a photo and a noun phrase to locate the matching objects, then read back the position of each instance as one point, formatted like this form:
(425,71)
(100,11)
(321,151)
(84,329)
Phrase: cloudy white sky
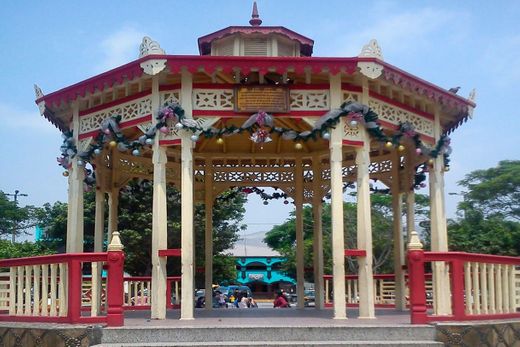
(472,44)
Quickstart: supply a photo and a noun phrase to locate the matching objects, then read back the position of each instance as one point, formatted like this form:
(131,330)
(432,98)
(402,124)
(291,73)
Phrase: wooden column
(99,228)
(318,234)
(439,231)
(336,194)
(298,201)
(75,217)
(364,230)
(208,267)
(159,217)
(187,244)
(397,199)
(113,212)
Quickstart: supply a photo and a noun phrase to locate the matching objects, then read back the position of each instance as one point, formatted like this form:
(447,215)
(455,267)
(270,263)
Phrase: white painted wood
(45,290)
(491,281)
(468,288)
(364,230)
(27,290)
(54,286)
(36,292)
(327,282)
(476,286)
(484,288)
(113,211)
(62,290)
(439,231)
(298,202)
(512,289)
(19,290)
(499,292)
(12,290)
(317,233)
(336,184)
(505,288)
(95,290)
(187,243)
(75,204)
(159,218)
(208,237)
(399,262)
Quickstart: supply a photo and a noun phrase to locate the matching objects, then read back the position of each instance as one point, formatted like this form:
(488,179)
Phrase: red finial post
(255,18)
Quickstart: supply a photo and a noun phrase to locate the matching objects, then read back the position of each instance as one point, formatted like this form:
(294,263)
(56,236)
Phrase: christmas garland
(260,127)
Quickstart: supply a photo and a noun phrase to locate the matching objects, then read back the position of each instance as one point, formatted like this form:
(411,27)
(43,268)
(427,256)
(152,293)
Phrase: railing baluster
(457,271)
(505,288)
(19,291)
(177,291)
(512,289)
(54,275)
(36,294)
(95,286)
(499,291)
(62,291)
(349,291)
(484,287)
(467,287)
(45,290)
(27,289)
(12,291)
(491,281)
(356,295)
(476,286)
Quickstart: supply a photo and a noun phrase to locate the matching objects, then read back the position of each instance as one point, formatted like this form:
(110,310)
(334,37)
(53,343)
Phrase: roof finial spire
(255,18)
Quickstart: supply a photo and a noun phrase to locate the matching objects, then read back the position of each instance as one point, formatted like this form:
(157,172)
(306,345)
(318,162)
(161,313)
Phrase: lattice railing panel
(347,96)
(395,115)
(171,96)
(254,176)
(213,99)
(309,100)
(130,110)
(380,166)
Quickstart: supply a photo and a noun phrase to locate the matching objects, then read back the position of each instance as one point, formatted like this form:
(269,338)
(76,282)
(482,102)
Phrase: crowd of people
(241,299)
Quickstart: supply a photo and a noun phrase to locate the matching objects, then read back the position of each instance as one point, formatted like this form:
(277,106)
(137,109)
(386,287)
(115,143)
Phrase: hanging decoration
(260,127)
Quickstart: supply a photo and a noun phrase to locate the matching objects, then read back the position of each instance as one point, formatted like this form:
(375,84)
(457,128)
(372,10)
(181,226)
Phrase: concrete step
(282,344)
(268,335)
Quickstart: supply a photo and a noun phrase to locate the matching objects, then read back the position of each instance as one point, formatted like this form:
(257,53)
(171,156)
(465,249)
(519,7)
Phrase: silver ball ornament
(353,123)
(194,137)
(80,163)
(326,135)
(97,151)
(148,141)
(179,126)
(136,152)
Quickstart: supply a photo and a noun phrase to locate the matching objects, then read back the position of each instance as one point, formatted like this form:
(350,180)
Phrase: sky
(471,44)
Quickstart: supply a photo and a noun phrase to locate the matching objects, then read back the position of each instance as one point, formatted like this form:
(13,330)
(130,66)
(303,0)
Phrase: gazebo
(256,109)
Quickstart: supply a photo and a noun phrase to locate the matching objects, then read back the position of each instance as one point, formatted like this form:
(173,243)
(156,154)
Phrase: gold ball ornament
(65,173)
(431,161)
(112,143)
(389,144)
(220,141)
(446,168)
(298,146)
(400,148)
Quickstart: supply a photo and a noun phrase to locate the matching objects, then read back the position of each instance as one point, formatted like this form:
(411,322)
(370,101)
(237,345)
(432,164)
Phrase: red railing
(481,286)
(35,294)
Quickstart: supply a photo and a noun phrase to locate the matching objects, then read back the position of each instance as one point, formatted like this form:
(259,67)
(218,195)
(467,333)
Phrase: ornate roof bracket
(371,70)
(472,97)
(38,95)
(149,47)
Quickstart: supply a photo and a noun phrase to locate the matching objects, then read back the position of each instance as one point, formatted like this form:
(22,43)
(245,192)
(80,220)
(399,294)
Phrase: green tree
(22,249)
(488,217)
(14,218)
(135,226)
(282,238)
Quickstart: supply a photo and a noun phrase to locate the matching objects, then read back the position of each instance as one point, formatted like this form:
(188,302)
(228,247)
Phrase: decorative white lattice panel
(309,100)
(128,111)
(245,177)
(349,96)
(395,115)
(170,96)
(213,99)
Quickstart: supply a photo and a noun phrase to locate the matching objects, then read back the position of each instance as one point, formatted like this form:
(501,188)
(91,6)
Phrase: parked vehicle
(309,297)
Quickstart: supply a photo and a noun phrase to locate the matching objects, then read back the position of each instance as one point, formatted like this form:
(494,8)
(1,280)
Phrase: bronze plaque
(265,98)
